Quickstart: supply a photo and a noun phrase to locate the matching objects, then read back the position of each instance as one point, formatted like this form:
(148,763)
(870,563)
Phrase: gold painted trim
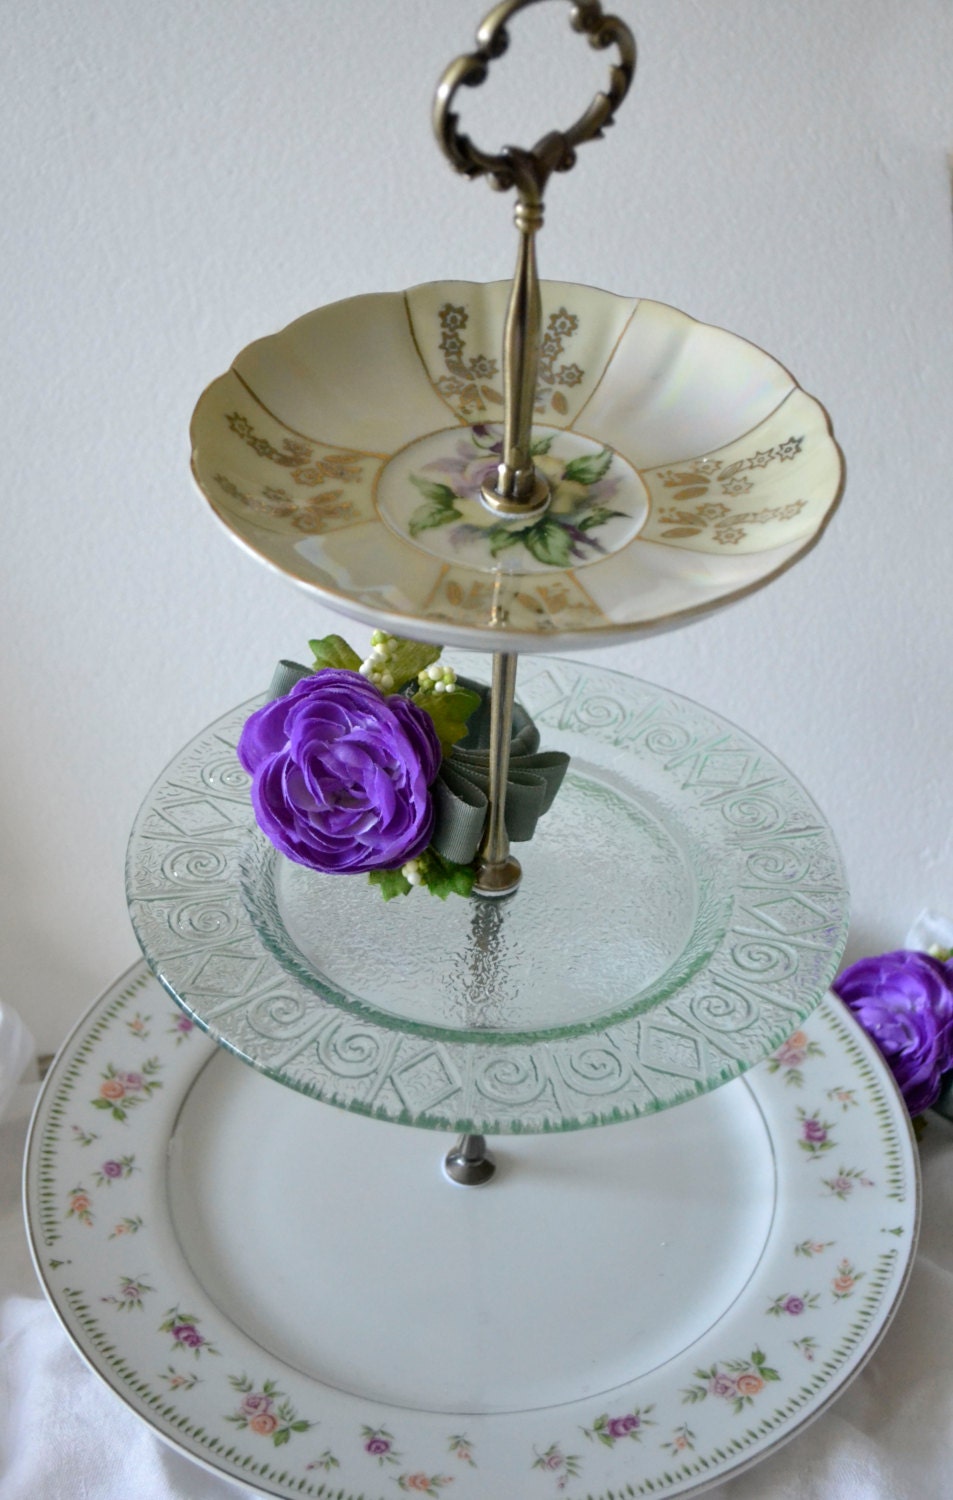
(612,354)
(749,432)
(429,378)
(718,329)
(444,570)
(320,442)
(291,535)
(571,573)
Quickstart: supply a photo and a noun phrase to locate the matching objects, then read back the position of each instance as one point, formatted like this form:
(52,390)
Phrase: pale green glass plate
(346,451)
(683,907)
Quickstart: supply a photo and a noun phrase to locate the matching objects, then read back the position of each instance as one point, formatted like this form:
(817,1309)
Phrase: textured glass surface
(683,907)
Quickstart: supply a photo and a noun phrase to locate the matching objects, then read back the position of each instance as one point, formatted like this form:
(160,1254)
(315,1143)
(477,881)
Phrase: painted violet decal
(582,487)
(379,1443)
(184,1330)
(609,1430)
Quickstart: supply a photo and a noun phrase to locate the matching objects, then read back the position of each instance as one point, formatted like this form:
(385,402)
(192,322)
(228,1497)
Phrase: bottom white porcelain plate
(296,1297)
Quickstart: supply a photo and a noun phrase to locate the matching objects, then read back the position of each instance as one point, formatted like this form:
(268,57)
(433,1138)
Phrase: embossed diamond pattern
(765,913)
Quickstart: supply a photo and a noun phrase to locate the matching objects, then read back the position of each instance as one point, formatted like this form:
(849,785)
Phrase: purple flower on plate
(793,1305)
(341,775)
(723,1384)
(378,1445)
(112,1169)
(255,1403)
(618,1427)
(814,1130)
(904,1001)
(188,1334)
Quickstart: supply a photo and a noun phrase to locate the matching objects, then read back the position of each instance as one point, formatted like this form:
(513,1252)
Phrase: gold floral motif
(696,481)
(546,603)
(466,383)
(312,513)
(298,456)
(552,599)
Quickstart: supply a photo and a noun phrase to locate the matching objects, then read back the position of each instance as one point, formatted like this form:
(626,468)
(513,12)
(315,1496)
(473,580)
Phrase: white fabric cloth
(64,1435)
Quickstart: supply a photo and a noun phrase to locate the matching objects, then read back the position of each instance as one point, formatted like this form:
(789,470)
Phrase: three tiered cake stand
(319,1301)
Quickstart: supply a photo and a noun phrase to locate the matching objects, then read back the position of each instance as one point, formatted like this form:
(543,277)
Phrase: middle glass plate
(683,907)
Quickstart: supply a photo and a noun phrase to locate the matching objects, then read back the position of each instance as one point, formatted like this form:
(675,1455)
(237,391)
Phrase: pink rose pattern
(269,1414)
(120,1091)
(132,1289)
(424,1484)
(462,1448)
(553,1460)
(791,1057)
(737,1381)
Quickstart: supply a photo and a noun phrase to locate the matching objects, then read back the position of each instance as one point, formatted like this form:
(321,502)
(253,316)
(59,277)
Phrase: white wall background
(179,179)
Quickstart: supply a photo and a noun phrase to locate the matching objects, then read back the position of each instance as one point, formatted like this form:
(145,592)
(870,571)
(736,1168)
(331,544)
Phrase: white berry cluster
(412,872)
(383,647)
(437,679)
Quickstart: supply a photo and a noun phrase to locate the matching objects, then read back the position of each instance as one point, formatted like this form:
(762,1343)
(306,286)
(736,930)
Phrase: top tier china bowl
(687,467)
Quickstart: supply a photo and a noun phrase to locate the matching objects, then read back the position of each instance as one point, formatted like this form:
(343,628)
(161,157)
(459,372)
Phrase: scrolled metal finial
(519,490)
(529,170)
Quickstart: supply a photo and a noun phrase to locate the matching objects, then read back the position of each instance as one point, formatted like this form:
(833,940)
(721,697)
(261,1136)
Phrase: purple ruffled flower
(341,774)
(904,1001)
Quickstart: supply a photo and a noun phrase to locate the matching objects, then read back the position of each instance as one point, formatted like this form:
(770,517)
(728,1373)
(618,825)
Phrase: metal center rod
(516,489)
(498,872)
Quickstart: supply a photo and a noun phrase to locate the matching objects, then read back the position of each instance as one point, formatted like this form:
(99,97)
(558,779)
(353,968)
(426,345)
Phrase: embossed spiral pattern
(771,953)
(204,920)
(350,1051)
(753,814)
(226,775)
(767,960)
(724,1011)
(280,1017)
(195,865)
(777,866)
(595,1069)
(666,739)
(513,1078)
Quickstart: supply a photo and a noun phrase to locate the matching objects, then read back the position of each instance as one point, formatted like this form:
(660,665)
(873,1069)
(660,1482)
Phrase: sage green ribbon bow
(461,790)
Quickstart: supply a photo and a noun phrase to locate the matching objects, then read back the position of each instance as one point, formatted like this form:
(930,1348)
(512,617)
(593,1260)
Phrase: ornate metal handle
(529,170)
(518,490)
